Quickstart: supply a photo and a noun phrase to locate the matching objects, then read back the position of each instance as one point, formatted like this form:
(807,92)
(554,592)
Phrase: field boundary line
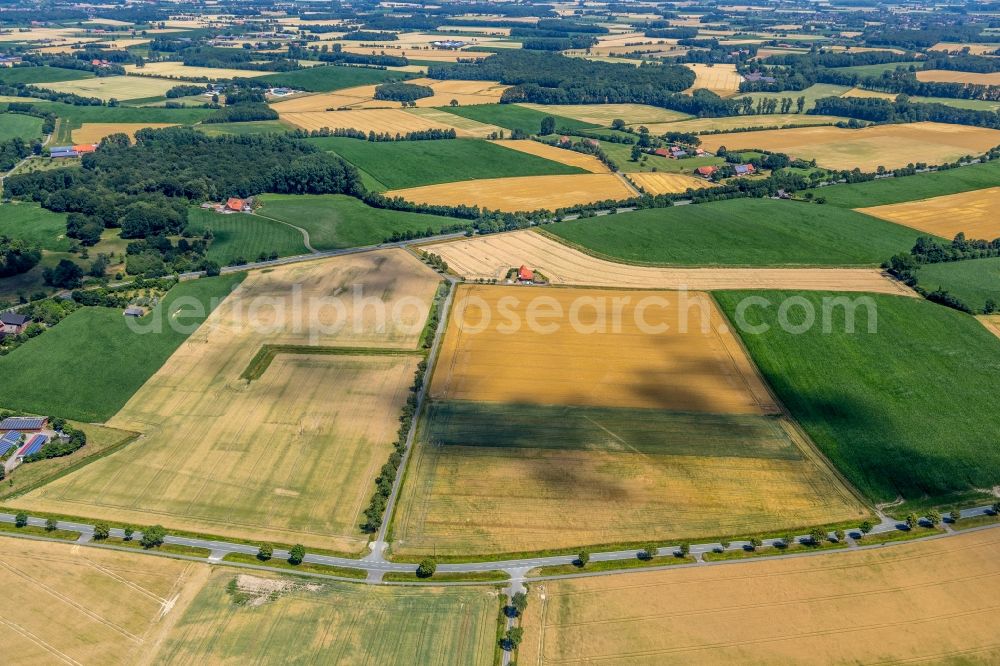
(305,234)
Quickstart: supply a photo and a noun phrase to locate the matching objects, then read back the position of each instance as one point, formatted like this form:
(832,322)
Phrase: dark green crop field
(740,232)
(909,409)
(324,78)
(402,164)
(88,365)
(974,281)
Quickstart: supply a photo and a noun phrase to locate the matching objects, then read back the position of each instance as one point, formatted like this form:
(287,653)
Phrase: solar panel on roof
(11,437)
(34,445)
(5,447)
(22,423)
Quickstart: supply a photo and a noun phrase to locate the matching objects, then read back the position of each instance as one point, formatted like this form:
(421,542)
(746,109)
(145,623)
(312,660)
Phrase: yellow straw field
(115,87)
(604,114)
(490,257)
(927,602)
(94,132)
(290,455)
(363,97)
(973,213)
(697,125)
(951,76)
(179,70)
(891,146)
(525,193)
(666,183)
(561,155)
(388,120)
(723,80)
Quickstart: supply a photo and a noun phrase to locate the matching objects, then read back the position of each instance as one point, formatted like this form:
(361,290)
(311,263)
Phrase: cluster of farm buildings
(57,152)
(231,205)
(22,436)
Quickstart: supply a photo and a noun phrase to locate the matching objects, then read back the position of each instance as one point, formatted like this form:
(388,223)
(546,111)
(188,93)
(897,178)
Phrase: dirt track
(490,257)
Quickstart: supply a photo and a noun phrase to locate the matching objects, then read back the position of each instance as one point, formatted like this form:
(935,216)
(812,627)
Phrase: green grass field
(512,116)
(338,221)
(741,232)
(910,188)
(239,235)
(812,93)
(14,125)
(973,281)
(327,622)
(42,75)
(907,410)
(33,223)
(330,77)
(87,366)
(71,117)
(876,70)
(395,165)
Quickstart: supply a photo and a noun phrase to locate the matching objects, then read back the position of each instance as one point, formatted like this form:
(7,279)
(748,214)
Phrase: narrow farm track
(304,232)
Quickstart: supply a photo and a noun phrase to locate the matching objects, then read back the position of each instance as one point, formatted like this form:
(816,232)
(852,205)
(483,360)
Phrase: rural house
(12,323)
(706,171)
(525,274)
(744,169)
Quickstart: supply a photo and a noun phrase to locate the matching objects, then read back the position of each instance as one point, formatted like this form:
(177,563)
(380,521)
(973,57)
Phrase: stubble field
(538,440)
(739,122)
(891,146)
(386,120)
(561,155)
(666,183)
(179,70)
(94,132)
(723,80)
(974,213)
(523,193)
(309,621)
(490,257)
(363,97)
(289,456)
(949,76)
(72,605)
(928,602)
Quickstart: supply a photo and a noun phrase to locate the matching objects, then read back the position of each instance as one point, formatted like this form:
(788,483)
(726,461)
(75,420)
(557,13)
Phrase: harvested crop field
(891,146)
(464,126)
(66,604)
(973,213)
(604,114)
(974,49)
(179,70)
(290,454)
(561,155)
(94,132)
(490,257)
(601,351)
(380,120)
(614,432)
(952,76)
(723,80)
(312,621)
(666,183)
(522,194)
(363,97)
(116,87)
(696,125)
(992,323)
(927,602)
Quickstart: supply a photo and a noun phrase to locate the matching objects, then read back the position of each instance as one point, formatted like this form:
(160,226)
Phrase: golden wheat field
(553,427)
(588,347)
(950,76)
(387,120)
(927,602)
(666,183)
(523,193)
(554,154)
(974,49)
(992,323)
(490,257)
(891,146)
(697,125)
(115,87)
(723,80)
(67,604)
(94,132)
(974,213)
(291,455)
(604,114)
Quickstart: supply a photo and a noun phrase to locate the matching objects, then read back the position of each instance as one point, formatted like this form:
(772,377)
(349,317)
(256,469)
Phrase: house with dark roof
(12,323)
(744,169)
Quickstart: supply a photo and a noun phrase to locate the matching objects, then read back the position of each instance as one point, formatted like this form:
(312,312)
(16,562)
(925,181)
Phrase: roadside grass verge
(447,577)
(610,565)
(32,530)
(304,567)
